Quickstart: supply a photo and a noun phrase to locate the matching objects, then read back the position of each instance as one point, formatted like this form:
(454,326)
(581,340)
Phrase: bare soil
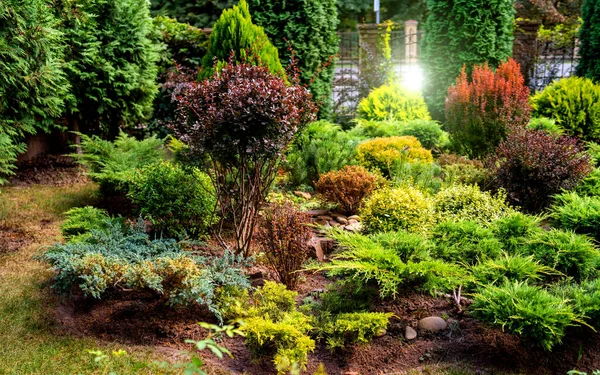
(52,170)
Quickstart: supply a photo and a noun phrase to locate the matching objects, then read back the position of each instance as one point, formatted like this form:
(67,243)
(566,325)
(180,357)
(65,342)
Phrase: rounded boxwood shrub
(393,102)
(348,187)
(394,209)
(176,201)
(468,202)
(574,103)
(384,153)
(464,241)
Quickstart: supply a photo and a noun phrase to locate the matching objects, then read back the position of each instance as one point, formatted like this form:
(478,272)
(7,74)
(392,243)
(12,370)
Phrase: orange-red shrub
(479,111)
(347,187)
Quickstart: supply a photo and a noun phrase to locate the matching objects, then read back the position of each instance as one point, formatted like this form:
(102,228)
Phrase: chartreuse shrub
(459,33)
(588,37)
(572,254)
(119,257)
(464,202)
(593,149)
(364,260)
(464,241)
(235,37)
(546,124)
(348,187)
(580,214)
(306,29)
(510,268)
(531,312)
(178,202)
(584,297)
(383,153)
(533,165)
(320,148)
(112,164)
(274,328)
(574,103)
(341,330)
(480,110)
(392,102)
(82,220)
(459,170)
(394,209)
(427,177)
(428,132)
(515,230)
(590,185)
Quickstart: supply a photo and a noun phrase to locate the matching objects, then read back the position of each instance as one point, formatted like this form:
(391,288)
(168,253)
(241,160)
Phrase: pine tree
(589,49)
(308,28)
(235,33)
(463,32)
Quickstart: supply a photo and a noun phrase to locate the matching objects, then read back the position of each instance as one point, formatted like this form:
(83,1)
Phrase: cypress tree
(235,33)
(462,32)
(589,37)
(308,27)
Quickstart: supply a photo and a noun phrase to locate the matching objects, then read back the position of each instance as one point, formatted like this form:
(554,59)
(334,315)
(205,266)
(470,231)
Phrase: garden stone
(302,194)
(354,217)
(432,324)
(316,213)
(410,333)
(352,221)
(353,227)
(341,220)
(334,223)
(381,333)
(325,217)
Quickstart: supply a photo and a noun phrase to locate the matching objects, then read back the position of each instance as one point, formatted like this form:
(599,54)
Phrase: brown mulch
(52,170)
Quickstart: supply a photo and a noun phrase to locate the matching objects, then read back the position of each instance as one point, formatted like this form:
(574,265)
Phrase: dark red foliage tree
(239,122)
(533,165)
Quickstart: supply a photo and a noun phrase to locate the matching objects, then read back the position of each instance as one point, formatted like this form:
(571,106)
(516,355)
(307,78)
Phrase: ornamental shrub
(579,214)
(82,220)
(394,209)
(320,148)
(306,31)
(459,33)
(532,165)
(112,164)
(177,202)
(589,35)
(515,230)
(383,153)
(572,254)
(464,242)
(235,39)
(112,63)
(240,123)
(428,132)
(479,111)
(425,176)
(283,236)
(464,202)
(546,124)
(584,297)
(459,170)
(33,84)
(127,258)
(590,185)
(348,187)
(342,330)
(393,102)
(509,268)
(574,103)
(525,310)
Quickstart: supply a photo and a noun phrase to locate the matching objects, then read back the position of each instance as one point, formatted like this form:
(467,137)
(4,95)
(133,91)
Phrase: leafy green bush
(546,124)
(515,230)
(176,201)
(572,254)
(574,103)
(528,311)
(112,164)
(320,148)
(384,153)
(393,102)
(464,241)
(128,258)
(410,247)
(593,149)
(235,33)
(459,170)
(82,220)
(579,214)
(364,260)
(349,328)
(345,296)
(348,187)
(395,209)
(274,328)
(590,185)
(427,177)
(588,37)
(463,202)
(510,268)
(428,132)
(584,297)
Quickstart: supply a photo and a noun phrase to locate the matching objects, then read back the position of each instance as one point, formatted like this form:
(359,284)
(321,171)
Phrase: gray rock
(410,333)
(352,221)
(432,324)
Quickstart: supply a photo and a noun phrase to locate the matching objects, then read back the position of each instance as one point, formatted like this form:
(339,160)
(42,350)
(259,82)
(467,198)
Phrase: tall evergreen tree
(308,28)
(589,49)
(33,85)
(463,32)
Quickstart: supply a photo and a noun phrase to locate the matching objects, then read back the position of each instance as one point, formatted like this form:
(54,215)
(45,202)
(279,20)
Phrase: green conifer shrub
(234,36)
(458,33)
(510,268)
(580,214)
(308,30)
(515,230)
(589,39)
(340,331)
(81,221)
(464,242)
(392,102)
